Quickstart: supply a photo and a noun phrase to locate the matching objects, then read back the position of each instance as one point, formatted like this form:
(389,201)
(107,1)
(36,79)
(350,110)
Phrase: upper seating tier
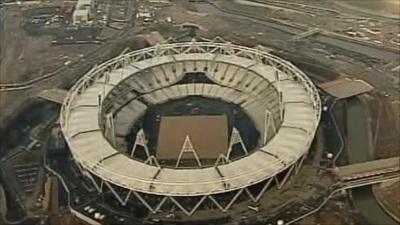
(250,78)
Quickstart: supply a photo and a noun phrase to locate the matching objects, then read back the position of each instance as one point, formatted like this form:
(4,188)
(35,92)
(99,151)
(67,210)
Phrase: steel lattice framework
(280,98)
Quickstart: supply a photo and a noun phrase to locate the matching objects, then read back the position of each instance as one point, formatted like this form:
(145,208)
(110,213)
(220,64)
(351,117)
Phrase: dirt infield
(208,135)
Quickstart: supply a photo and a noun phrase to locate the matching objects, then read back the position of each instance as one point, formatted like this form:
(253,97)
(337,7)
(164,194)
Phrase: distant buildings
(81,16)
(151,39)
(83,12)
(154,38)
(159,1)
(85,4)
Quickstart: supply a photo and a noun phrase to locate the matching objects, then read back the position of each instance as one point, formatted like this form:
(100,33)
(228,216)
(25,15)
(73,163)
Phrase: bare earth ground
(335,212)
(215,25)
(25,57)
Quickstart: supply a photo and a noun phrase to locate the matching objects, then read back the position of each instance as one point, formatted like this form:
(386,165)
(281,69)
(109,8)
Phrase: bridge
(54,95)
(306,34)
(358,175)
(367,173)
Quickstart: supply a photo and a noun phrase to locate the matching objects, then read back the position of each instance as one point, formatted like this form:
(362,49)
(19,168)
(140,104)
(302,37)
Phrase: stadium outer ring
(91,169)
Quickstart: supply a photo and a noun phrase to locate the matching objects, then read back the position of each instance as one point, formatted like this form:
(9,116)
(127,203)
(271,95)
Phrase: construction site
(225,112)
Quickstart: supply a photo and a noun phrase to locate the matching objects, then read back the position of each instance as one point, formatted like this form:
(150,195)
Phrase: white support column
(188,49)
(152,161)
(236,139)
(280,184)
(277,182)
(127,60)
(187,147)
(115,65)
(278,81)
(216,202)
(122,71)
(218,39)
(193,210)
(157,50)
(222,159)
(143,201)
(268,124)
(233,200)
(228,48)
(263,190)
(251,196)
(260,194)
(288,173)
(257,56)
(106,82)
(299,164)
(140,141)
(198,204)
(122,200)
(158,207)
(179,206)
(98,187)
(110,129)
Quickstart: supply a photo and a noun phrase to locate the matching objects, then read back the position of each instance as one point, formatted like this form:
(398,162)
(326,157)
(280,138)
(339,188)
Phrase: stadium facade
(103,106)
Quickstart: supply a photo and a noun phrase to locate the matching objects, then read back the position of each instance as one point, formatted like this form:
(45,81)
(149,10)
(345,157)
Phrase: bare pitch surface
(208,135)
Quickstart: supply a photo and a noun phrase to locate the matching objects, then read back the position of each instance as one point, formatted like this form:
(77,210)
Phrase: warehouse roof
(345,87)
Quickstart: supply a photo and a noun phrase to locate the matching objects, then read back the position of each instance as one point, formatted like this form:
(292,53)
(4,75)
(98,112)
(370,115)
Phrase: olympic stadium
(190,126)
(160,112)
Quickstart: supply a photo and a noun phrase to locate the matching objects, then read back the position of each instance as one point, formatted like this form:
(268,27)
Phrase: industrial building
(83,12)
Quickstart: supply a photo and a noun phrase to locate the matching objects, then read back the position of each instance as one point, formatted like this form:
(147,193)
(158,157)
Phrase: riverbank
(388,197)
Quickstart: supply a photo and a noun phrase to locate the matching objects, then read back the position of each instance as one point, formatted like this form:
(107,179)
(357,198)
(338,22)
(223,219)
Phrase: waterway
(359,150)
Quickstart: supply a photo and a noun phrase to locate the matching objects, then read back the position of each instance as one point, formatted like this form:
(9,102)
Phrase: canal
(358,150)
